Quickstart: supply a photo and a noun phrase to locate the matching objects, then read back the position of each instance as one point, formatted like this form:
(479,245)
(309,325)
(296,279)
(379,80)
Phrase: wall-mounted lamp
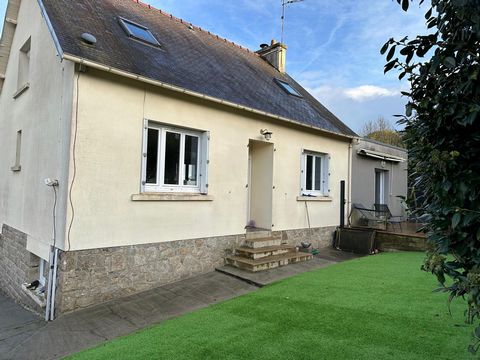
(267,134)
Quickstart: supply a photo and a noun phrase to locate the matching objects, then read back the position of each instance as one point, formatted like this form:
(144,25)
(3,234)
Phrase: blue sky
(333,46)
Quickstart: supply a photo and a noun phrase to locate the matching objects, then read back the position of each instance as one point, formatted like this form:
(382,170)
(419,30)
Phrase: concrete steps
(268,262)
(261,251)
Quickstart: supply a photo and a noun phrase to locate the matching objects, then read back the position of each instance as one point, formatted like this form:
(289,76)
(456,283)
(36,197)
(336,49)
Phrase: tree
(442,133)
(381,130)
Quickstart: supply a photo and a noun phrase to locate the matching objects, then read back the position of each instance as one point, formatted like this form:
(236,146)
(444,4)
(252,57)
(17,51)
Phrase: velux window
(175,160)
(138,32)
(315,174)
(287,88)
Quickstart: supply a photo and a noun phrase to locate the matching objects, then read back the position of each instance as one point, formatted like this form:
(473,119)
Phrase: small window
(315,174)
(17,166)
(288,88)
(24,65)
(175,160)
(138,32)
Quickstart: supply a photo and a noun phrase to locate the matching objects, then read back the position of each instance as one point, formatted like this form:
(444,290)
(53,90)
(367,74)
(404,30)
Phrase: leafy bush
(442,133)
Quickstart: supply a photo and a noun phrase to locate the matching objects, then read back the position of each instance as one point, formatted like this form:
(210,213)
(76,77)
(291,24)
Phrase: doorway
(260,184)
(381,186)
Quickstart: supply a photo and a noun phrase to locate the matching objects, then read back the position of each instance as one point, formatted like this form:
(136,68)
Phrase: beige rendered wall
(43,114)
(108,162)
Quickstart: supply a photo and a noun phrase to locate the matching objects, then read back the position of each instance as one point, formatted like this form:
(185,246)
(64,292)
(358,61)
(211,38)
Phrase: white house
(136,148)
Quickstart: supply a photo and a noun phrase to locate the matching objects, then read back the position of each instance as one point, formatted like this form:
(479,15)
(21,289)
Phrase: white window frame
(324,174)
(202,160)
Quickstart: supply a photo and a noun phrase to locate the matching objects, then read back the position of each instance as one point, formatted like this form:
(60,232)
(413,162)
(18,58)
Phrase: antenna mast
(284,5)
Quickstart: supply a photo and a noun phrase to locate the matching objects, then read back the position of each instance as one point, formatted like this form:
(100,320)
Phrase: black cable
(74,165)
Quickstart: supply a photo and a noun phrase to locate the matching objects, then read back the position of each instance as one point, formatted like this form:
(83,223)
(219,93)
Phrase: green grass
(377,307)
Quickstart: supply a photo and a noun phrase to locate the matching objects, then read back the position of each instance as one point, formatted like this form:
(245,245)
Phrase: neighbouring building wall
(42,113)
(17,266)
(363,175)
(108,158)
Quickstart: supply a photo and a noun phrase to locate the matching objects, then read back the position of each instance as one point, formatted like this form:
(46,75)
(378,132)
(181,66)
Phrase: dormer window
(138,32)
(287,88)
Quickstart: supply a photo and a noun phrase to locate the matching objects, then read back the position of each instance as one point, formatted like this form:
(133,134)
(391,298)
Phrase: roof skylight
(288,88)
(138,32)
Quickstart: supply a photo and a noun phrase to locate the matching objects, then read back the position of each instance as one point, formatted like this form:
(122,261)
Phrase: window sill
(21,90)
(314,198)
(38,298)
(171,197)
(16,168)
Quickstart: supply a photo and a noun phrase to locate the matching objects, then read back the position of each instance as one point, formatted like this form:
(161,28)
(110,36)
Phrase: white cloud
(368,92)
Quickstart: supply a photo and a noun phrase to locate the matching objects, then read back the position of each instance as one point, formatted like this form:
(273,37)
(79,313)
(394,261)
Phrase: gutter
(179,89)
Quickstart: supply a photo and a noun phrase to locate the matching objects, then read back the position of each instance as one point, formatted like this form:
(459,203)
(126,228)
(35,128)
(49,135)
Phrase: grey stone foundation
(319,237)
(17,266)
(91,277)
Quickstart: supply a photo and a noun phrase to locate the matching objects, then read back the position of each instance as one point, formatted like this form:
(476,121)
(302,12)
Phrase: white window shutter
(326,171)
(205,160)
(144,155)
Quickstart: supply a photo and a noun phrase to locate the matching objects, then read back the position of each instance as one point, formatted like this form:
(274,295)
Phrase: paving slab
(16,325)
(25,336)
(326,257)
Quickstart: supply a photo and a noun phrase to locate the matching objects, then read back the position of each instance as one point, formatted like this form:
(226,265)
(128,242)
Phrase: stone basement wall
(17,266)
(91,277)
(319,237)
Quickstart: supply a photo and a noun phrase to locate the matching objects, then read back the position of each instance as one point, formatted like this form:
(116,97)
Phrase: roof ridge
(174,18)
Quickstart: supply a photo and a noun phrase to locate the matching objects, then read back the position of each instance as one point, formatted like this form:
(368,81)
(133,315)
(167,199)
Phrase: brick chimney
(275,54)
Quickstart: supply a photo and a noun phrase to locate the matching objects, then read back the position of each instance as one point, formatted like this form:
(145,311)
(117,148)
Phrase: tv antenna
(284,5)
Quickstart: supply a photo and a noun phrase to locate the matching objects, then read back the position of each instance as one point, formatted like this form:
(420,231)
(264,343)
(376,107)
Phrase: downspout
(52,285)
(349,177)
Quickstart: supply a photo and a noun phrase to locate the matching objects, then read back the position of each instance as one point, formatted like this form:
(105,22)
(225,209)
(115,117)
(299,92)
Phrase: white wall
(43,114)
(108,157)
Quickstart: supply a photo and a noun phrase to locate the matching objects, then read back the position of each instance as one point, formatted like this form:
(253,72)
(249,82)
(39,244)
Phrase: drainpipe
(342,204)
(349,179)
(52,285)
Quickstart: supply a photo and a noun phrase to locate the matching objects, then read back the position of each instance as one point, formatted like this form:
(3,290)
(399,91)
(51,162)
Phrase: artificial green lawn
(377,307)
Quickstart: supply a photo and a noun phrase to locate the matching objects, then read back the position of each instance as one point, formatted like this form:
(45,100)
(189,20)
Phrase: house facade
(379,175)
(137,149)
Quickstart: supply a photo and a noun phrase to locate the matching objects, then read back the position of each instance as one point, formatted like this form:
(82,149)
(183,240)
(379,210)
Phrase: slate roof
(189,57)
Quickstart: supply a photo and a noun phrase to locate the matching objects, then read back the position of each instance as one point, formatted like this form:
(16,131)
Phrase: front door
(260,184)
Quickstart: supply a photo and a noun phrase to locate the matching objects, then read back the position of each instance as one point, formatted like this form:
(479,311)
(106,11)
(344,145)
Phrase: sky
(333,46)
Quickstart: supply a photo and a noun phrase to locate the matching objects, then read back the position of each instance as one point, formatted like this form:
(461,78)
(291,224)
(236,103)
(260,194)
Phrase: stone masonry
(90,277)
(319,237)
(94,276)
(17,266)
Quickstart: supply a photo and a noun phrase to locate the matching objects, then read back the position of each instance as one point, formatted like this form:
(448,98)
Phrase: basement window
(174,159)
(138,32)
(288,88)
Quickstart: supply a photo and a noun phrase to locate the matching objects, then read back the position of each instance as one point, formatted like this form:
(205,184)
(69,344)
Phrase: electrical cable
(74,164)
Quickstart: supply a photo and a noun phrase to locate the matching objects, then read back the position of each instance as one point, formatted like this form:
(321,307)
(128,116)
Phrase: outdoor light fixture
(267,134)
